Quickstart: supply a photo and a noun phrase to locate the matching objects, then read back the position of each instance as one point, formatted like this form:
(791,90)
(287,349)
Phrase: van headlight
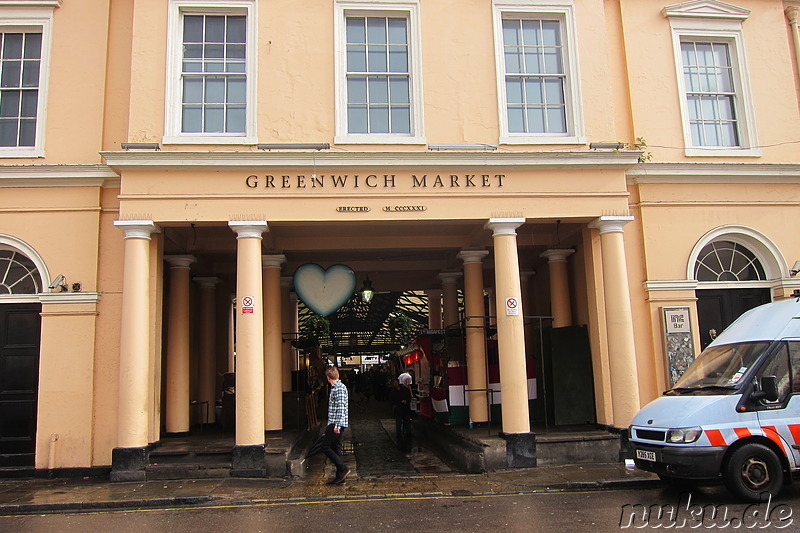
(684,435)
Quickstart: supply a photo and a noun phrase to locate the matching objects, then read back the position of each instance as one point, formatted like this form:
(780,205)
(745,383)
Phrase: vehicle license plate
(646,455)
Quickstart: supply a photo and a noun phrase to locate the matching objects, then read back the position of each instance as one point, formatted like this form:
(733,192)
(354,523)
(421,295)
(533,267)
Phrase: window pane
(192,119)
(357,119)
(694,107)
(708,108)
(726,111)
(556,120)
(376,56)
(398,90)
(531,32)
(553,91)
(514,90)
(356,30)
(215,29)
(688,54)
(536,119)
(397,31)
(378,90)
(376,30)
(237,90)
(235,51)
(401,119)
(33,46)
(730,136)
(357,90)
(215,90)
(27,132)
(11,74)
(710,135)
(193,51)
(193,28)
(192,66)
(30,74)
(551,33)
(721,58)
(552,60)
(8,132)
(513,63)
(379,119)
(9,104)
(697,136)
(511,32)
(214,51)
(30,103)
(533,91)
(236,119)
(192,90)
(356,58)
(533,62)
(516,120)
(398,59)
(12,46)
(215,66)
(214,119)
(237,30)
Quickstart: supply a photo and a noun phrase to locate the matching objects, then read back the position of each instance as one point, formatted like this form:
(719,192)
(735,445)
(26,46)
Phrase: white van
(735,413)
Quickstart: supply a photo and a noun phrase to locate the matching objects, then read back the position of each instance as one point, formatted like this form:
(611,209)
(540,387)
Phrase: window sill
(541,139)
(208,139)
(17,153)
(379,139)
(723,152)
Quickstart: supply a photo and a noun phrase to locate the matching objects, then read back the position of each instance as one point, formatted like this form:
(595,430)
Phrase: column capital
(180,261)
(206,282)
(273,260)
(504,226)
(793,14)
(557,255)
(609,224)
(137,229)
(449,277)
(472,256)
(248,228)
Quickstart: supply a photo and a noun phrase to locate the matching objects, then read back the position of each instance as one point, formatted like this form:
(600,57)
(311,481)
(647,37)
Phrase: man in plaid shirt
(337,421)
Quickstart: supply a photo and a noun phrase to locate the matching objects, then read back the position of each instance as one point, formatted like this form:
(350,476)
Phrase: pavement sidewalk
(28,496)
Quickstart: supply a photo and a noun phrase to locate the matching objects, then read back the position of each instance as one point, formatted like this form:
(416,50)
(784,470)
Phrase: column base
(174,434)
(249,461)
(128,464)
(520,449)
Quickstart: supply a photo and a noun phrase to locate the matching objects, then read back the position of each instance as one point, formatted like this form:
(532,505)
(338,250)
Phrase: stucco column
(130,458)
(288,319)
(527,306)
(491,296)
(232,334)
(619,320)
(178,374)
(560,307)
(793,14)
(207,362)
(450,297)
(510,325)
(273,351)
(475,333)
(434,309)
(249,334)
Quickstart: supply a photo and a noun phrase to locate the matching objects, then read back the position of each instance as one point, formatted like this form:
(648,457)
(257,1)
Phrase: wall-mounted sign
(512,306)
(247,305)
(678,342)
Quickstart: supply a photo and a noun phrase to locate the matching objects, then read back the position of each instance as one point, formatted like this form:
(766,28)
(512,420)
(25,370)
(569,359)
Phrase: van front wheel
(752,472)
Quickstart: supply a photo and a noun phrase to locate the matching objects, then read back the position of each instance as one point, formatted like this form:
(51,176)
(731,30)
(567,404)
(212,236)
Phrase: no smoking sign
(512,306)
(247,305)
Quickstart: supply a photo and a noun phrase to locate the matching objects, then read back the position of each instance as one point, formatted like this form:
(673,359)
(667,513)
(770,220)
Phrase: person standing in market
(338,420)
(400,400)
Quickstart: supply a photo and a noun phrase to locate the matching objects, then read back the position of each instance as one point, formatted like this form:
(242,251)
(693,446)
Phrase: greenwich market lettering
(373,181)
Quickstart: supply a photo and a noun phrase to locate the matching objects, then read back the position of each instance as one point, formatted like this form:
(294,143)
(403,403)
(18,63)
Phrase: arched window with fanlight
(723,261)
(18,274)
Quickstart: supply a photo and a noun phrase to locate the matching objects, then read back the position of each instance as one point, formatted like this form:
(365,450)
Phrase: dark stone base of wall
(520,449)
(249,461)
(128,464)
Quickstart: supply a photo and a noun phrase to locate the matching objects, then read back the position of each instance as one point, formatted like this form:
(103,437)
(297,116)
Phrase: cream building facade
(160,157)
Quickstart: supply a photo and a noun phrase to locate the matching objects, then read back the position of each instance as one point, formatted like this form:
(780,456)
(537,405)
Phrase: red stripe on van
(715,437)
(742,432)
(795,429)
(772,433)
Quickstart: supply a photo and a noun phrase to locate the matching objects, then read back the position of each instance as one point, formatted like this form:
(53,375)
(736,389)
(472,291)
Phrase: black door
(19,382)
(718,308)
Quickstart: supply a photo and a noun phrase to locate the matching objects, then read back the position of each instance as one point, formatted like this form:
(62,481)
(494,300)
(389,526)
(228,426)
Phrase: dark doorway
(20,326)
(718,308)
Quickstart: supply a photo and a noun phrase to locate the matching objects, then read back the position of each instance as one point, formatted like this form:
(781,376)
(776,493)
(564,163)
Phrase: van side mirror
(769,389)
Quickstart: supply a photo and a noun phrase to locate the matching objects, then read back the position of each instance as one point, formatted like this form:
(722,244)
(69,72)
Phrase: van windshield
(720,368)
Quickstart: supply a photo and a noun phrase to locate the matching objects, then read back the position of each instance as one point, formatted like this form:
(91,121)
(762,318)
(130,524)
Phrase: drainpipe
(51,458)
(793,14)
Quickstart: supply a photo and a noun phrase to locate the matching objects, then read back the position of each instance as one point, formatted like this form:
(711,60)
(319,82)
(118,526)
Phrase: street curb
(199,501)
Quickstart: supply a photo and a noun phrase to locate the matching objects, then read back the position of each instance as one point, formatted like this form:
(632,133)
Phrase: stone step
(188,471)
(601,447)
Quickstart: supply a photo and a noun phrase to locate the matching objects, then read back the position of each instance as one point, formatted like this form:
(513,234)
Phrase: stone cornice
(58,176)
(171,159)
(706,9)
(714,173)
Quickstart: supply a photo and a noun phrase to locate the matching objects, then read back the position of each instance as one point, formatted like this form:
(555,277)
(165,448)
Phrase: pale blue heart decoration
(324,291)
